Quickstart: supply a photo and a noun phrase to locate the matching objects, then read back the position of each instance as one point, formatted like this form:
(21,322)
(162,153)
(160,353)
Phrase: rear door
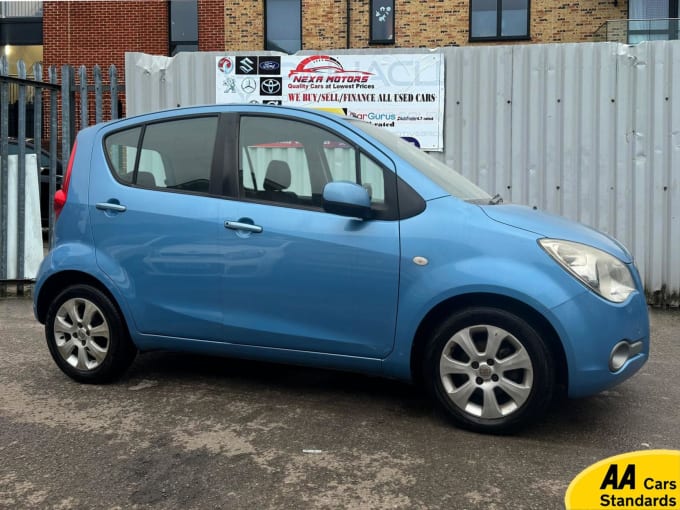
(155,209)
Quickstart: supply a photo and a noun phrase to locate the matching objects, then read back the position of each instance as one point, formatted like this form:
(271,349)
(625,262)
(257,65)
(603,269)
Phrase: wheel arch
(532,316)
(58,282)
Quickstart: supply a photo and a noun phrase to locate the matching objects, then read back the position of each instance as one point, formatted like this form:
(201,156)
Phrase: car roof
(224,108)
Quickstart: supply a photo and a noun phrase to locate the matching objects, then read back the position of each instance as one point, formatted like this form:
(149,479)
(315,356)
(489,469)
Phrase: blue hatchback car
(302,237)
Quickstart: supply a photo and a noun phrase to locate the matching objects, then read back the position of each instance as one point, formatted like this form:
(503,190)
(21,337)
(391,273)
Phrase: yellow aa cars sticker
(637,480)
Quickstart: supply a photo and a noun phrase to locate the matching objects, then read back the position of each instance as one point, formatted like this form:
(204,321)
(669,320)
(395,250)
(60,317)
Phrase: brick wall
(572,21)
(211,23)
(89,33)
(244,25)
(419,23)
(101,32)
(324,24)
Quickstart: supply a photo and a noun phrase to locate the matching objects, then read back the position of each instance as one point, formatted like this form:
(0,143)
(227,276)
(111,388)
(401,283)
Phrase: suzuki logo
(246,65)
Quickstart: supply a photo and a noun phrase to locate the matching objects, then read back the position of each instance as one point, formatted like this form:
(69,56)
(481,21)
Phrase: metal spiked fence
(37,115)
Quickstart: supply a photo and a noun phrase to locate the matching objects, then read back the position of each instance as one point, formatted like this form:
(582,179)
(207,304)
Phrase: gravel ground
(189,432)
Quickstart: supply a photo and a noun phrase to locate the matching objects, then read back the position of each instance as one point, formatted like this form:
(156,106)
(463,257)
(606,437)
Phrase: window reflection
(499,19)
(183,26)
(283,25)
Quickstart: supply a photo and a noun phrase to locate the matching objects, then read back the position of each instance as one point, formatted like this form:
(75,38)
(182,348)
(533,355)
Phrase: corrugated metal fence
(588,131)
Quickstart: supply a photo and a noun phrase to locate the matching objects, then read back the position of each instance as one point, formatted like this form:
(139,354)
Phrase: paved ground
(191,432)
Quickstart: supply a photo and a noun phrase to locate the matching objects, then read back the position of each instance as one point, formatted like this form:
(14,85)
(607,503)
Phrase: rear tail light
(61,195)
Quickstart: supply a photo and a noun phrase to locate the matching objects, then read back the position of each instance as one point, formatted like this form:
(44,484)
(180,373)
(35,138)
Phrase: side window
(289,163)
(121,148)
(275,160)
(373,179)
(178,154)
(174,155)
(275,166)
(343,166)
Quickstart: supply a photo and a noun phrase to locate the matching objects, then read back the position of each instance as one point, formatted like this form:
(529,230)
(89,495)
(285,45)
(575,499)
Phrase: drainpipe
(348,25)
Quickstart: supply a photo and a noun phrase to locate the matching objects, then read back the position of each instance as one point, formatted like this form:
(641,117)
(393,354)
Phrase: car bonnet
(555,227)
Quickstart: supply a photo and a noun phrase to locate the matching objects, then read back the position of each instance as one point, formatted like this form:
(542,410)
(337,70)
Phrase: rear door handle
(245,227)
(109,206)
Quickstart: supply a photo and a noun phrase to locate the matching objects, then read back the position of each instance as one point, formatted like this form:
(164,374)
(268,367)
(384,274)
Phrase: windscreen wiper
(496,199)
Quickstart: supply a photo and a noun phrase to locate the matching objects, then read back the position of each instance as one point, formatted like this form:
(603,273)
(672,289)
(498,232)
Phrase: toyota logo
(270,86)
(248,85)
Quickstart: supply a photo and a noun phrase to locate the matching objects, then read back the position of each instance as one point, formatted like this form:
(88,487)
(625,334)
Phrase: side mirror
(347,199)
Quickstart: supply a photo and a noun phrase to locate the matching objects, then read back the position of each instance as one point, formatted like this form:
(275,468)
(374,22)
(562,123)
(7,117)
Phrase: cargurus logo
(644,479)
(374,116)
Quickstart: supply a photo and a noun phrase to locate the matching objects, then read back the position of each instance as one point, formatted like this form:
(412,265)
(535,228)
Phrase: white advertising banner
(403,93)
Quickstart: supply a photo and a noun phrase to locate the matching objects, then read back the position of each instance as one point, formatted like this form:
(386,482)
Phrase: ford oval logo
(269,65)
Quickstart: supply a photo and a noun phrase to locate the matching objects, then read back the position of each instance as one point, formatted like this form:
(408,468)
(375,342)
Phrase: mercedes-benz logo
(248,85)
(270,86)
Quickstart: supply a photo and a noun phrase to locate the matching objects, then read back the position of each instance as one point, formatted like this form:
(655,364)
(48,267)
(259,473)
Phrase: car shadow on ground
(565,417)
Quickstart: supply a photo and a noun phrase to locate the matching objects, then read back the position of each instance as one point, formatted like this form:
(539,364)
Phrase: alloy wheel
(486,371)
(81,334)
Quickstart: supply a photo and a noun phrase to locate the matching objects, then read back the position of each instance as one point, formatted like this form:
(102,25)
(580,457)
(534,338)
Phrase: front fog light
(622,352)
(601,272)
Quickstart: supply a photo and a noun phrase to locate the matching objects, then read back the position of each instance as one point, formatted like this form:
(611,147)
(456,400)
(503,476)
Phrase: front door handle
(111,206)
(245,227)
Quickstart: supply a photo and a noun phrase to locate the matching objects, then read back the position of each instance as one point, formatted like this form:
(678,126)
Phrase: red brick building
(100,32)
(82,32)
(89,33)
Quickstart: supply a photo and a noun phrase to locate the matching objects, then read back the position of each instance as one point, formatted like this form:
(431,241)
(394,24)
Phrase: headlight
(601,272)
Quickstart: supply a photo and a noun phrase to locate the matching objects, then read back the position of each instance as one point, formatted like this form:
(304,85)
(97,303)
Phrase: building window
(183,16)
(283,25)
(652,20)
(382,21)
(499,19)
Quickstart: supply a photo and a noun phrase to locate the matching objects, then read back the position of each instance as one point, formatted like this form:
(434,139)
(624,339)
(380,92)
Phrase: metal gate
(41,117)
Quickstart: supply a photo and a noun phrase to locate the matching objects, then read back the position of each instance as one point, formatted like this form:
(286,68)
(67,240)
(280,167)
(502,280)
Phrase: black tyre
(87,337)
(489,370)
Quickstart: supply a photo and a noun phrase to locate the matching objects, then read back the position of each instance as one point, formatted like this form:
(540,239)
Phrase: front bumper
(592,332)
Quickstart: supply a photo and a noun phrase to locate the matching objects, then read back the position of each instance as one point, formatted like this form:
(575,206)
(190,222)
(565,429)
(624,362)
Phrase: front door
(296,276)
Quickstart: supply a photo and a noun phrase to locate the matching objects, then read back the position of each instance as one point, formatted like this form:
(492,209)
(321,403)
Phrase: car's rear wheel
(489,370)
(87,337)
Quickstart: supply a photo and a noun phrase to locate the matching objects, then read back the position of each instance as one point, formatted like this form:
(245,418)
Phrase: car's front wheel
(489,370)
(87,337)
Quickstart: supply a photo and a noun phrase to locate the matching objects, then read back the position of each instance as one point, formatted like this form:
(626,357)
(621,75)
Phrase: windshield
(445,177)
